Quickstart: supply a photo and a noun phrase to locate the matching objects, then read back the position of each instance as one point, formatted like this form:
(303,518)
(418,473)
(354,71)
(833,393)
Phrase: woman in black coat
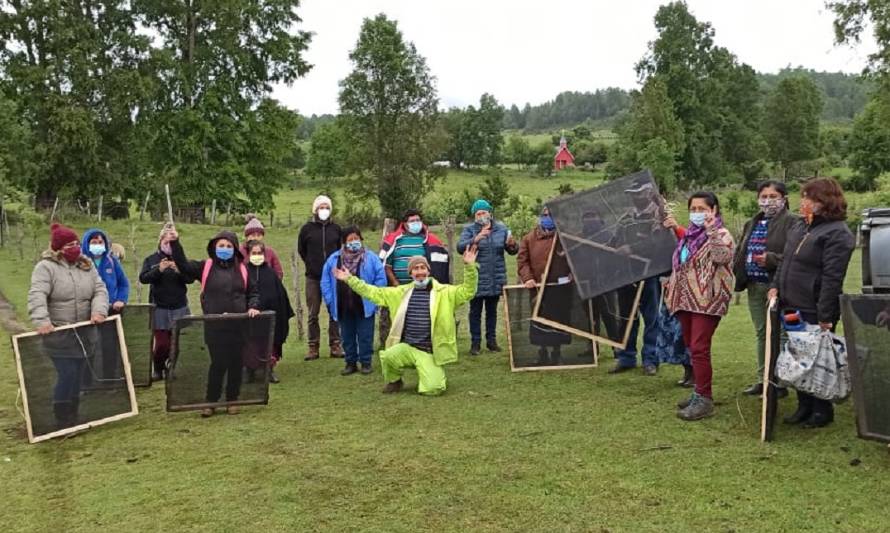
(273,297)
(225,288)
(810,278)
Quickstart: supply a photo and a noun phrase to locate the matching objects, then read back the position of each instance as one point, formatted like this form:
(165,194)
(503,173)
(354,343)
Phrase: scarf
(352,260)
(695,238)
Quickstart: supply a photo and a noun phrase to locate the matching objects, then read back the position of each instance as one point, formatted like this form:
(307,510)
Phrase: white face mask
(324,214)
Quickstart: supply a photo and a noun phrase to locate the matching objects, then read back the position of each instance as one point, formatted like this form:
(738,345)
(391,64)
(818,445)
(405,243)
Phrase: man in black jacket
(168,291)
(318,239)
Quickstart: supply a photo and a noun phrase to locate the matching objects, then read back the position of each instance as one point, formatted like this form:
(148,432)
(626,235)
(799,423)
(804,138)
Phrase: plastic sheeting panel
(535,346)
(613,234)
(74,378)
(611,313)
(220,360)
(137,320)
(867,331)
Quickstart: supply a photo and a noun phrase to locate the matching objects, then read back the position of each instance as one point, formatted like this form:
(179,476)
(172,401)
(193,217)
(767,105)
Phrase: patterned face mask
(771,207)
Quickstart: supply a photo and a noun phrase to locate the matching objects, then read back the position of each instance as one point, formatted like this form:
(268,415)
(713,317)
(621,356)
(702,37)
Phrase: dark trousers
(698,331)
(650,298)
(490,303)
(313,303)
(225,361)
(357,333)
(160,349)
(69,374)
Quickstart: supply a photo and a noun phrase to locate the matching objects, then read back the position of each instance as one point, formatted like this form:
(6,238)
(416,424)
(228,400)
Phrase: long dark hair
(777,185)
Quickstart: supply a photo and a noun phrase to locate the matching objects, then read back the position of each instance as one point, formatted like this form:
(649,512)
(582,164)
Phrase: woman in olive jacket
(810,278)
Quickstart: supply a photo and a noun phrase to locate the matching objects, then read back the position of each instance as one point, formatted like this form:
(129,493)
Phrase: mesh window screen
(137,322)
(220,360)
(561,307)
(613,234)
(74,378)
(867,331)
(535,346)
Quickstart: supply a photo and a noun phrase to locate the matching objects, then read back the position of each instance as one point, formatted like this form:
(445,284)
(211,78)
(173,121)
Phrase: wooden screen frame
(174,346)
(587,335)
(125,360)
(513,367)
(151,321)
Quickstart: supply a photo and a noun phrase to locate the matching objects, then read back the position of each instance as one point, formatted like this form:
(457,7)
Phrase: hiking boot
(312,354)
(232,410)
(684,403)
(804,410)
(395,386)
(819,419)
(650,370)
(619,368)
(207,413)
(493,346)
(688,380)
(367,369)
(273,377)
(699,408)
(475,349)
(754,390)
(351,368)
(337,351)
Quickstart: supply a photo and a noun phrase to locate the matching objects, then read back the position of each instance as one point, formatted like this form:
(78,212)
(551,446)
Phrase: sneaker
(366,369)
(273,377)
(650,370)
(699,408)
(350,368)
(395,386)
(232,410)
(207,413)
(684,403)
(754,390)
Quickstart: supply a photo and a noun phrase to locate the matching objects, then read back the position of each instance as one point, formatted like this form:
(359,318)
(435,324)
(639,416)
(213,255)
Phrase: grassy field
(558,451)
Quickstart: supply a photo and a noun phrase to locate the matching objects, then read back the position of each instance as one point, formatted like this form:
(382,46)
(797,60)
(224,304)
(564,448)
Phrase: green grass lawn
(557,451)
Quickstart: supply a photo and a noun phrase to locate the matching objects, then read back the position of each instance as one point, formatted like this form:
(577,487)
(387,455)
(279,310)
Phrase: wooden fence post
(213,212)
(135,263)
(229,214)
(384,323)
(144,206)
(298,302)
(52,215)
(449,238)
(101,200)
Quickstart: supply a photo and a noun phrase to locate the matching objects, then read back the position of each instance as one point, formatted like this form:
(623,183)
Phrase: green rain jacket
(444,300)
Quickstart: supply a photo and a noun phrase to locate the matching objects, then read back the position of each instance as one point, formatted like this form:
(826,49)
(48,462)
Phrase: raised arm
(467,290)
(189,268)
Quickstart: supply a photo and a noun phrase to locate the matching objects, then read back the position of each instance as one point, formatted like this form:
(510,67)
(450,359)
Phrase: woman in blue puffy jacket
(492,238)
(353,314)
(97,246)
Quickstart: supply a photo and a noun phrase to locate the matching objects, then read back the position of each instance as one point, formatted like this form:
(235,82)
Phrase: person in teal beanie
(492,238)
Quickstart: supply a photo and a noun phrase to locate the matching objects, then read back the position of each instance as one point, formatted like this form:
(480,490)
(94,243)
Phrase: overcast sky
(529,51)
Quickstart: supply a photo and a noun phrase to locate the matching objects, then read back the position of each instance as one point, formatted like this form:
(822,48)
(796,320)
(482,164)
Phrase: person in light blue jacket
(353,314)
(97,246)
(492,238)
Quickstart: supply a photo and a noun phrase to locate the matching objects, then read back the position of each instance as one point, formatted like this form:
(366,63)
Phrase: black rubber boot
(804,409)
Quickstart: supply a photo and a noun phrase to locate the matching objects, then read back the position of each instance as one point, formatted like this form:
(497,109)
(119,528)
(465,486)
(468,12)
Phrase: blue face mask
(224,253)
(354,246)
(415,227)
(421,284)
(698,219)
(547,223)
(97,249)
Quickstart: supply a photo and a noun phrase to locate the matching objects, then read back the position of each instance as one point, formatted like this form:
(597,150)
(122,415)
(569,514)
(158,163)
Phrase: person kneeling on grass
(423,328)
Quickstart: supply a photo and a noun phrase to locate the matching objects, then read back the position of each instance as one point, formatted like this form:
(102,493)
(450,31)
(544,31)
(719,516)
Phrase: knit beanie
(253,226)
(480,205)
(321,199)
(417,260)
(60,236)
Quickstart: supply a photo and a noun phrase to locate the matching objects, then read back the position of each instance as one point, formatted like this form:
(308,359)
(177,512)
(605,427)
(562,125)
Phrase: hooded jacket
(62,293)
(371,272)
(317,241)
(444,300)
(225,290)
(435,251)
(110,269)
(492,267)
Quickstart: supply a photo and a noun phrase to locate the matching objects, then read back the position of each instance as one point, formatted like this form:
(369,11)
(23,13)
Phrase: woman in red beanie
(65,289)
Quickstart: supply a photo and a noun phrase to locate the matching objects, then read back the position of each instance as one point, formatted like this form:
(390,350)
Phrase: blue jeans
(69,373)
(491,319)
(357,335)
(649,301)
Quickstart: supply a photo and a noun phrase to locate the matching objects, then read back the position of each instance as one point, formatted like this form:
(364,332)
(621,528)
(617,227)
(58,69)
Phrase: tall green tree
(328,151)
(869,145)
(80,73)
(791,122)
(389,105)
(474,134)
(211,118)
